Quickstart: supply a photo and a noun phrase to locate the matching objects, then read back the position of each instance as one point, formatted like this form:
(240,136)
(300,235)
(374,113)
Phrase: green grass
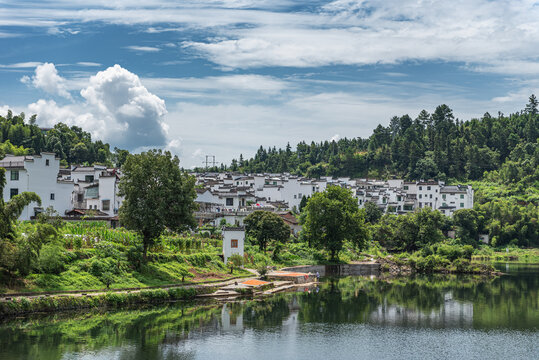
(530,256)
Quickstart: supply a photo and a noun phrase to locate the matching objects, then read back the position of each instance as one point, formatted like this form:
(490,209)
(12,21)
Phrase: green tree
(9,212)
(158,195)
(331,217)
(266,227)
(303,203)
(372,212)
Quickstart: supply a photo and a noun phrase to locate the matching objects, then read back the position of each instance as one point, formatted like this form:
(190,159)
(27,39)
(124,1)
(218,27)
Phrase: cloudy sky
(222,77)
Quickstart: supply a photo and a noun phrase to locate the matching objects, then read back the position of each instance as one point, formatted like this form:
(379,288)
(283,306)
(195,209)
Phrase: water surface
(436,317)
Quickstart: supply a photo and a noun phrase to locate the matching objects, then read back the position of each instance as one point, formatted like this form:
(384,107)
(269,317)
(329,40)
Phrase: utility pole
(212,162)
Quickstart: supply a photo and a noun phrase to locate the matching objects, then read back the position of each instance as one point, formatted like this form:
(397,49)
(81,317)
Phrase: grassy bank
(530,256)
(25,305)
(90,256)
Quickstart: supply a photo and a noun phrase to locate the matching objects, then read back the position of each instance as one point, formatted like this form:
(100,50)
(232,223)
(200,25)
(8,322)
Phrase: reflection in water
(344,317)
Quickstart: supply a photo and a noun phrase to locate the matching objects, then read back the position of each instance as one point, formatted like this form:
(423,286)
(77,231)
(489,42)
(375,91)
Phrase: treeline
(430,146)
(71,144)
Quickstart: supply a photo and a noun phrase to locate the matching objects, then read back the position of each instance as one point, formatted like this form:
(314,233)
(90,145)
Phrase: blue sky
(222,77)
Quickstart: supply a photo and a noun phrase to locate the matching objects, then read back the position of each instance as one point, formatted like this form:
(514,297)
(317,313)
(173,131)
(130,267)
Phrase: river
(422,317)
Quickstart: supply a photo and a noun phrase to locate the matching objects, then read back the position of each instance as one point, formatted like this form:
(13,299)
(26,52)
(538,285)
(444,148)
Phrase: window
(405,187)
(444,205)
(89,178)
(461,205)
(428,187)
(295,196)
(443,196)
(14,175)
(421,188)
(234,243)
(237,182)
(462,196)
(398,198)
(47,162)
(420,196)
(430,196)
(105,205)
(80,197)
(52,196)
(384,200)
(13,192)
(229,201)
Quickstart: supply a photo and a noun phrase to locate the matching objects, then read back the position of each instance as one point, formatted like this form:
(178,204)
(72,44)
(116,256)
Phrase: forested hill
(71,144)
(430,146)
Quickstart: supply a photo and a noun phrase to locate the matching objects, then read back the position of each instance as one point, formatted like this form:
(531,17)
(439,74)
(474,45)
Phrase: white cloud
(117,108)
(230,84)
(248,33)
(335,137)
(143,48)
(118,95)
(46,78)
(88,63)
(21,65)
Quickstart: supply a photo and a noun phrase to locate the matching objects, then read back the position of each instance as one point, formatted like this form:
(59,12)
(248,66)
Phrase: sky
(222,77)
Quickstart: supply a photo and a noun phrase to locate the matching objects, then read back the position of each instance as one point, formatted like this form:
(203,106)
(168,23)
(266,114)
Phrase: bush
(52,259)
(236,260)
(462,265)
(430,263)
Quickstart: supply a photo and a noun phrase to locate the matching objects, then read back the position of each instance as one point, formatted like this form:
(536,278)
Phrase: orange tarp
(254,282)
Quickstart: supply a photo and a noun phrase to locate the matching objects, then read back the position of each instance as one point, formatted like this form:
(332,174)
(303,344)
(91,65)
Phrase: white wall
(228,236)
(42,179)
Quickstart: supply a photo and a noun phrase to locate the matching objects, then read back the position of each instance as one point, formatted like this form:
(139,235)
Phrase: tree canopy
(431,145)
(266,227)
(157,195)
(332,217)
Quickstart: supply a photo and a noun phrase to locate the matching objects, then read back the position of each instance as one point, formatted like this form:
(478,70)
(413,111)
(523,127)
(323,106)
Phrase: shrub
(430,263)
(236,260)
(462,265)
(52,259)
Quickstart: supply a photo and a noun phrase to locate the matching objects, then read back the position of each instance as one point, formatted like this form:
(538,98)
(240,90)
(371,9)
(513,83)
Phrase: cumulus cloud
(117,108)
(119,96)
(46,78)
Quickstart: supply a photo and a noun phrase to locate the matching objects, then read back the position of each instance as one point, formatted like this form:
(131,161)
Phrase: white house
(96,188)
(233,241)
(38,174)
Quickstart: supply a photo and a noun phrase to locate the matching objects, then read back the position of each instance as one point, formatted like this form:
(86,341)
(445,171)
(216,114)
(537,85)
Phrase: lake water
(436,317)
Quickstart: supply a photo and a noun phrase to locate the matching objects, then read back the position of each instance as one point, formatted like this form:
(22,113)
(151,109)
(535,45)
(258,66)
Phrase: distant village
(91,192)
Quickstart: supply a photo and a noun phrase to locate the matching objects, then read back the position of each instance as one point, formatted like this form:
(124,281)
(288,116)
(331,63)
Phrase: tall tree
(331,217)
(158,195)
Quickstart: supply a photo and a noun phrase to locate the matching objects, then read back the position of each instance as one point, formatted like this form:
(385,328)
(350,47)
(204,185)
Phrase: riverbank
(26,304)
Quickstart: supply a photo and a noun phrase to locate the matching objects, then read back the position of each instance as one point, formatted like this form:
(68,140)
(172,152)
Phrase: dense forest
(71,144)
(430,146)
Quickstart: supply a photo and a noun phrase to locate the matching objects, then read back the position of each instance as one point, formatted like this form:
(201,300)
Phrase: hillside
(72,144)
(430,146)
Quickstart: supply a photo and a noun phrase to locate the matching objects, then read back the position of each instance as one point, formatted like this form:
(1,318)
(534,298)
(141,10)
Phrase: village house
(38,174)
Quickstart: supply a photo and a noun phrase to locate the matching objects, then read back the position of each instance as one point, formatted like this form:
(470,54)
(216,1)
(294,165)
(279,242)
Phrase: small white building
(233,241)
(38,174)
(96,188)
